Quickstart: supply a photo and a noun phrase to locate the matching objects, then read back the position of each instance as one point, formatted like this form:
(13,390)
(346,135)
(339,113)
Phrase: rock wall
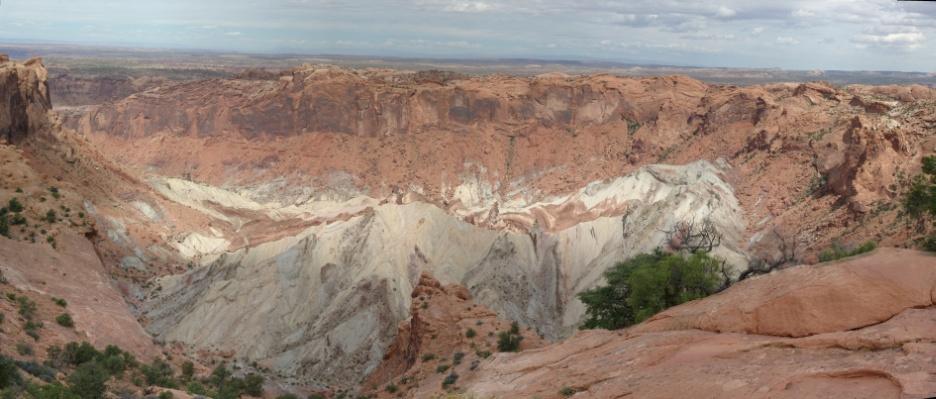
(25,102)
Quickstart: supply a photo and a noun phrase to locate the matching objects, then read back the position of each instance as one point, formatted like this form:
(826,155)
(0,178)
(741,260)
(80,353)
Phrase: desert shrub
(4,226)
(428,357)
(55,192)
(9,375)
(165,395)
(15,206)
(24,349)
(253,384)
(442,368)
(158,373)
(32,329)
(483,354)
(567,391)
(649,283)
(920,201)
(59,301)
(391,388)
(50,391)
(457,358)
(27,308)
(88,380)
(837,251)
(37,370)
(196,388)
(471,333)
(50,216)
(65,320)
(509,341)
(287,396)
(77,354)
(449,380)
(188,370)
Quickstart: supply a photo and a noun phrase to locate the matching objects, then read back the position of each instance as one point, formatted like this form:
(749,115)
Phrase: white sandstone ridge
(324,303)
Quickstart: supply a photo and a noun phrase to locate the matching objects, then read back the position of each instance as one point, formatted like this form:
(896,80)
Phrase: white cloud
(232,33)
(758,30)
(469,6)
(910,39)
(725,12)
(787,40)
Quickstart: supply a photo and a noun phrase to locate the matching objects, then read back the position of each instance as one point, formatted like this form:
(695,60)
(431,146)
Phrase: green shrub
(4,226)
(838,252)
(15,206)
(253,384)
(165,395)
(59,301)
(32,329)
(483,354)
(88,381)
(196,388)
(391,388)
(457,358)
(567,391)
(188,370)
(50,216)
(50,391)
(158,373)
(442,368)
(428,357)
(287,396)
(470,333)
(27,307)
(77,354)
(9,375)
(37,370)
(449,380)
(647,284)
(65,320)
(24,349)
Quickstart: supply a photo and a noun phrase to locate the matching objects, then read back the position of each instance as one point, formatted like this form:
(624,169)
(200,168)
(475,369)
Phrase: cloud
(787,40)
(232,33)
(725,12)
(901,38)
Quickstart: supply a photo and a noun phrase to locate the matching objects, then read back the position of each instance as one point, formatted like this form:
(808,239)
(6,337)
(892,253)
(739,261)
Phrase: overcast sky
(815,34)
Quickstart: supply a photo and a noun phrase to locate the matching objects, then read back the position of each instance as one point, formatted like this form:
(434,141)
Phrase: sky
(794,34)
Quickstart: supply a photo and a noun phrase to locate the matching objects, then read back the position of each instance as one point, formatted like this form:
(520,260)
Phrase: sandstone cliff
(25,101)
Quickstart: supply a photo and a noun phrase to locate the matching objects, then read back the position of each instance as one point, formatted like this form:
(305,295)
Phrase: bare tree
(786,245)
(687,235)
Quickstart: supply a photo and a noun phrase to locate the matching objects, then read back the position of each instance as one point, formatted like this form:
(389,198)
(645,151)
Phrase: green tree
(9,375)
(253,384)
(89,380)
(920,202)
(646,284)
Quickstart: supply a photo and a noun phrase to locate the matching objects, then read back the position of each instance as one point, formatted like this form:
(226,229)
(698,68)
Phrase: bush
(253,384)
(196,388)
(59,301)
(15,206)
(27,308)
(838,252)
(50,216)
(9,375)
(37,370)
(24,349)
(428,357)
(77,354)
(158,373)
(470,333)
(457,358)
(449,380)
(391,388)
(65,320)
(32,329)
(567,391)
(50,391)
(647,284)
(165,395)
(88,381)
(188,370)
(442,368)
(287,396)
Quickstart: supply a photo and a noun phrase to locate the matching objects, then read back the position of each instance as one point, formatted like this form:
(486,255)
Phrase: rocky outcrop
(861,327)
(25,102)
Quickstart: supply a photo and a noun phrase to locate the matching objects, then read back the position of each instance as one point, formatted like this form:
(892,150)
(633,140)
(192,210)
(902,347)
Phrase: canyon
(295,222)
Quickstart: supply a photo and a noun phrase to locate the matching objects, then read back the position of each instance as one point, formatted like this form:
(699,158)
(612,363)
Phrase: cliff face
(25,103)
(295,213)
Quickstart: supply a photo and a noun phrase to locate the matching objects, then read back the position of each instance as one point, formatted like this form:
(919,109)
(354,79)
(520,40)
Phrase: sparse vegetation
(65,320)
(471,333)
(61,302)
(919,203)
(567,391)
(509,341)
(442,368)
(837,251)
(428,357)
(649,283)
(450,380)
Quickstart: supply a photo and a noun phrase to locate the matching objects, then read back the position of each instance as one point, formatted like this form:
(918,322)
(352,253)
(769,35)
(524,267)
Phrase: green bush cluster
(509,341)
(646,284)
(837,251)
(920,201)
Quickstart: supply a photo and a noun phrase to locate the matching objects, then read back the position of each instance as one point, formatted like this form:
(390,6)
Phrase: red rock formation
(25,101)
(863,328)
